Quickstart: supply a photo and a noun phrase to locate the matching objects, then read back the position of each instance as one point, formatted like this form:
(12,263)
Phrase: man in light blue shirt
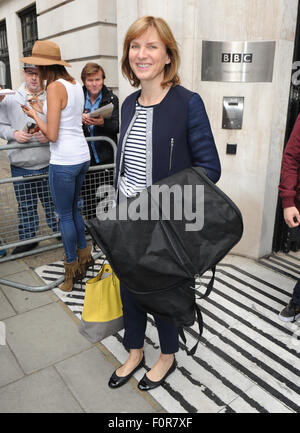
(98,95)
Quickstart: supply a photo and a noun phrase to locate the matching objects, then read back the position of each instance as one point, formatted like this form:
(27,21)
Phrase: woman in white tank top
(70,156)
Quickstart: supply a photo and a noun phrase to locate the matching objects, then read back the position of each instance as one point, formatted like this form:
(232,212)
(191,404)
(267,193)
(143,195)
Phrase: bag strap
(200,324)
(199,316)
(113,275)
(210,284)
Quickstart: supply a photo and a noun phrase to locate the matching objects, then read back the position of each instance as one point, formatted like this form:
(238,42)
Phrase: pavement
(247,360)
(45,364)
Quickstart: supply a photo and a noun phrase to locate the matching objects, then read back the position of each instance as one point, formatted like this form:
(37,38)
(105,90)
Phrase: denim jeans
(27,194)
(65,184)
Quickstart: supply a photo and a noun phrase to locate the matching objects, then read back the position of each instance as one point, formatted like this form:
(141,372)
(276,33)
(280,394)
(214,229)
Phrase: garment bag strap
(199,316)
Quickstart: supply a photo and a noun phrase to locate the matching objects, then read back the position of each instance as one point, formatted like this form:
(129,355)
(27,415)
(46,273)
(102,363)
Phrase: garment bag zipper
(171,153)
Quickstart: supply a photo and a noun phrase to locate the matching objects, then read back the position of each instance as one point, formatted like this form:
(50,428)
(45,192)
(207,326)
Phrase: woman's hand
(40,137)
(289,213)
(30,112)
(36,104)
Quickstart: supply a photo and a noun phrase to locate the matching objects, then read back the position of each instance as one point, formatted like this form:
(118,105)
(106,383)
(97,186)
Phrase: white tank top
(71,146)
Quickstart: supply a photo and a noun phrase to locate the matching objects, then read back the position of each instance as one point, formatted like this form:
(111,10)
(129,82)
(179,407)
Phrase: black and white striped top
(134,178)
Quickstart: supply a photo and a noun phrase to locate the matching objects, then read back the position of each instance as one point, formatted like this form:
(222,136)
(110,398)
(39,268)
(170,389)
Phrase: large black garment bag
(160,241)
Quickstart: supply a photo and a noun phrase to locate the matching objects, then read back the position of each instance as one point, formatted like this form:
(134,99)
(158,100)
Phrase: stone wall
(84,30)
(251,176)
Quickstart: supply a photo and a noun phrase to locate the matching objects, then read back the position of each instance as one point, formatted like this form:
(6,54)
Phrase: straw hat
(45,53)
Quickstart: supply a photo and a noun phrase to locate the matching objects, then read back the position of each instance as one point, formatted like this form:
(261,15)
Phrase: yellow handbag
(102,313)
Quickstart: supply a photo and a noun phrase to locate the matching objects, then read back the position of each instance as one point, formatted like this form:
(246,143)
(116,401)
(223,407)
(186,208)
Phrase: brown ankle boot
(85,260)
(71,271)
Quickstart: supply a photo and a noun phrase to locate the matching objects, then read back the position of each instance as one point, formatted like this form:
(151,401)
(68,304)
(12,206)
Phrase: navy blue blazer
(181,134)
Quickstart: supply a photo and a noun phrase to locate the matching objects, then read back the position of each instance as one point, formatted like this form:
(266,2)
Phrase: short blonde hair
(91,68)
(135,30)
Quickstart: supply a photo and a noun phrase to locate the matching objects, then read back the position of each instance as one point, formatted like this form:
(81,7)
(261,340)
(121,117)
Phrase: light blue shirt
(88,107)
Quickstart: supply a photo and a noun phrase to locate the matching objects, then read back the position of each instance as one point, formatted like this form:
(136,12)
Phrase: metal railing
(40,219)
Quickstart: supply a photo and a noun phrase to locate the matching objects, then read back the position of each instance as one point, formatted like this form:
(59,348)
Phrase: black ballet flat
(116,381)
(145,384)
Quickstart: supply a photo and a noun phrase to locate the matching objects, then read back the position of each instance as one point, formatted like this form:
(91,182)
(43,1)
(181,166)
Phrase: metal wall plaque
(233,107)
(246,62)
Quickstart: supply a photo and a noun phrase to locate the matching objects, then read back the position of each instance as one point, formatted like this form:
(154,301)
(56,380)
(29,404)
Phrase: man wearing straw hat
(16,127)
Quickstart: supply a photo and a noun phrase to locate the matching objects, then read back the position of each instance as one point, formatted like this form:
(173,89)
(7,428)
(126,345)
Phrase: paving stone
(12,267)
(10,370)
(43,391)
(87,375)
(6,310)
(23,300)
(43,336)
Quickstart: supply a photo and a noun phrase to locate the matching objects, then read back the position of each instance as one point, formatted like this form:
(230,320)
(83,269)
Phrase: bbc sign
(237,61)
(237,58)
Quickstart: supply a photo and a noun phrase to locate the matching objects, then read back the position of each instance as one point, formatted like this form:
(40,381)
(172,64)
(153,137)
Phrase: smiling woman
(144,37)
(164,129)
(148,56)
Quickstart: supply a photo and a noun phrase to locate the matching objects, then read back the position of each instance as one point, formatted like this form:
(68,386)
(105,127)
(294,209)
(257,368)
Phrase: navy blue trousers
(135,323)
